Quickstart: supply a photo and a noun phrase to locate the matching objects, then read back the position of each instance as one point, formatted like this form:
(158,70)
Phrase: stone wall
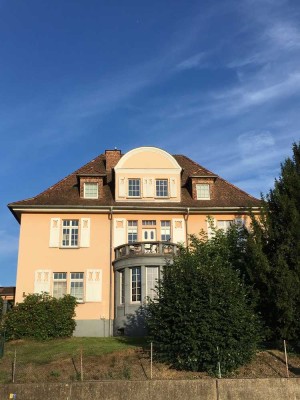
(206,389)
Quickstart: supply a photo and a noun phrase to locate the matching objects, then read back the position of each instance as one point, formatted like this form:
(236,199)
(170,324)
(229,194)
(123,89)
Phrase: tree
(275,248)
(202,315)
(41,316)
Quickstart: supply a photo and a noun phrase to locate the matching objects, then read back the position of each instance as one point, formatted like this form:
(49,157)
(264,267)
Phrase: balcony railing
(146,248)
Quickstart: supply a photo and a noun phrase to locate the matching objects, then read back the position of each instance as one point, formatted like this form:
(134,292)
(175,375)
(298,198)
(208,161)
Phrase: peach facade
(109,248)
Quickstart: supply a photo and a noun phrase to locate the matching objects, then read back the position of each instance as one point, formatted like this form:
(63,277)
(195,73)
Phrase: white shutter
(54,232)
(173,187)
(122,187)
(85,227)
(148,187)
(178,235)
(211,225)
(119,231)
(93,285)
(42,280)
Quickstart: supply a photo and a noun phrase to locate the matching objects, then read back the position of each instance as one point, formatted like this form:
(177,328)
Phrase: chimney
(112,157)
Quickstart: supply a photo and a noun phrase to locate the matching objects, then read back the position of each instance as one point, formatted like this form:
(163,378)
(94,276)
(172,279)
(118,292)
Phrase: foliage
(1,308)
(274,248)
(41,317)
(203,314)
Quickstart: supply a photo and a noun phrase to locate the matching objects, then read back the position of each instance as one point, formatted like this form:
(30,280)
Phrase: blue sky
(218,81)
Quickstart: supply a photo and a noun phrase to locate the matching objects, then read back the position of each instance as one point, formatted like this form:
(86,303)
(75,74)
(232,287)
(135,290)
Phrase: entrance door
(149,235)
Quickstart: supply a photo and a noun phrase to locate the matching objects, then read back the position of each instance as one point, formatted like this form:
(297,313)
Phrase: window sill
(69,247)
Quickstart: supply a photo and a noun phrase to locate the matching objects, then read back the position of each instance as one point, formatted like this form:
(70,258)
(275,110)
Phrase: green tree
(274,246)
(41,316)
(202,315)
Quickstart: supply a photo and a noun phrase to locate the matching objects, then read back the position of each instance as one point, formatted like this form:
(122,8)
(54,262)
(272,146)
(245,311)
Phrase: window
(131,231)
(148,222)
(136,284)
(225,225)
(70,233)
(59,284)
(152,278)
(161,187)
(91,190)
(202,190)
(122,287)
(77,285)
(165,230)
(134,187)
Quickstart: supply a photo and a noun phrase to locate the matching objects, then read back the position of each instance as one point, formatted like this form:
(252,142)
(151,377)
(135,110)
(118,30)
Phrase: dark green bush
(202,316)
(41,317)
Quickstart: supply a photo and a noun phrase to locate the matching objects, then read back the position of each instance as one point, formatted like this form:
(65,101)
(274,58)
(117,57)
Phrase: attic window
(91,190)
(202,190)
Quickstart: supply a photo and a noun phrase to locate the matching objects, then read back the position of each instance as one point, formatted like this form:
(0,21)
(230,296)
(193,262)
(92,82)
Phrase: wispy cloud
(194,61)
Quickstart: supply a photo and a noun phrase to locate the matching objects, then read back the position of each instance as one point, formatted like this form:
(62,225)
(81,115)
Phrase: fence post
(151,359)
(286,360)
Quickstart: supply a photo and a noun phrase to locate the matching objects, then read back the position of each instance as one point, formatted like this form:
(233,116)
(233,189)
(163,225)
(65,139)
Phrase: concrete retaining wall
(208,389)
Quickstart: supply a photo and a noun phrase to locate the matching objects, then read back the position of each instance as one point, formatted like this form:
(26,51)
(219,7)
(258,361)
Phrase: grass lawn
(42,352)
(59,360)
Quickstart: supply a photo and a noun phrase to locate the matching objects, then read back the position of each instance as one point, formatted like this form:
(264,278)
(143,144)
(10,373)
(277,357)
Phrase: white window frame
(134,187)
(132,229)
(77,277)
(88,193)
(203,191)
(148,222)
(122,286)
(161,188)
(165,230)
(71,229)
(59,277)
(153,277)
(138,289)
(224,224)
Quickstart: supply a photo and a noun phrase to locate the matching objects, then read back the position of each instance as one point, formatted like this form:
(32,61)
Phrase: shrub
(42,317)
(202,316)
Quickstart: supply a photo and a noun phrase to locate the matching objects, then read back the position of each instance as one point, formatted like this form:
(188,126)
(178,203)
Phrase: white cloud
(194,61)
(254,143)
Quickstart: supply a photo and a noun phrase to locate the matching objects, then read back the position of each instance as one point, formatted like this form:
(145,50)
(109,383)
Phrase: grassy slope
(30,351)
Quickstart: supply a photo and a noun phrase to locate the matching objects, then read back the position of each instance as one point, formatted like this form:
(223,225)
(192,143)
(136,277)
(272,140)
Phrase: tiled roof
(66,192)
(7,290)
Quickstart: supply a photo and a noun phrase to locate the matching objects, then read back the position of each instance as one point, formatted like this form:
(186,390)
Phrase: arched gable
(148,158)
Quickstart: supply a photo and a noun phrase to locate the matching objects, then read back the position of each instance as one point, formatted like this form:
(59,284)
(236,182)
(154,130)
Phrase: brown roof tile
(66,191)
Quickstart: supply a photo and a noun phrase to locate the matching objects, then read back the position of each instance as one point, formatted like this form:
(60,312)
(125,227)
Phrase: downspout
(186,219)
(110,216)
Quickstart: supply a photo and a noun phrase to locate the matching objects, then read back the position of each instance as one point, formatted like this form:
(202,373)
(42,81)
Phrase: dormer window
(91,190)
(161,188)
(203,192)
(134,188)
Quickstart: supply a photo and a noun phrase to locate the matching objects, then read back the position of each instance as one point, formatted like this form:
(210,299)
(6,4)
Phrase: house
(7,294)
(104,232)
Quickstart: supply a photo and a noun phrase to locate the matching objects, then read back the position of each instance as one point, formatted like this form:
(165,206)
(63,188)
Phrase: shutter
(42,281)
(148,187)
(173,187)
(93,285)
(119,231)
(211,226)
(178,230)
(85,228)
(54,232)
(122,187)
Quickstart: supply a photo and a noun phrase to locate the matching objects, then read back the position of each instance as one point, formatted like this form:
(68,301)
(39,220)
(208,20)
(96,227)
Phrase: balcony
(138,249)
